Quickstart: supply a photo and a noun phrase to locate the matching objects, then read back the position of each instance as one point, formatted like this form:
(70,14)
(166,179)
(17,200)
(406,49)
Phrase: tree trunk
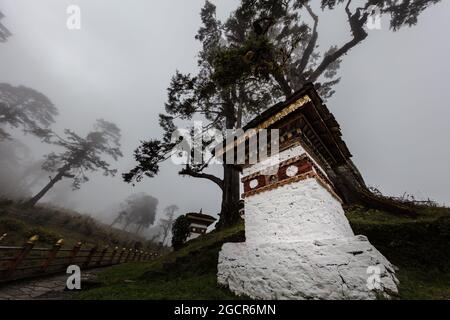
(138,229)
(229,213)
(347,179)
(113,223)
(351,186)
(126,225)
(37,197)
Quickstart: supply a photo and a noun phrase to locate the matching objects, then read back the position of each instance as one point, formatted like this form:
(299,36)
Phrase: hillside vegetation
(189,273)
(418,246)
(52,224)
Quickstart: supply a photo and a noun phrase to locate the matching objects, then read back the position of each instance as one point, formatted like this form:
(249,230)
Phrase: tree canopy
(180,232)
(262,53)
(81,155)
(26,108)
(140,210)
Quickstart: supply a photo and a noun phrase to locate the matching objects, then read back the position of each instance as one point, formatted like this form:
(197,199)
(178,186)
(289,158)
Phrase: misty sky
(392,102)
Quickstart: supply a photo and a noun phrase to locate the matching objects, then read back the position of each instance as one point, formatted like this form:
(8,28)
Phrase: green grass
(423,284)
(189,273)
(418,246)
(201,287)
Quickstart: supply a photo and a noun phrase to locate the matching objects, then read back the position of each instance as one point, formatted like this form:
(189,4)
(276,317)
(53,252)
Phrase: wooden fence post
(113,254)
(121,254)
(102,255)
(128,255)
(22,254)
(134,255)
(89,257)
(74,252)
(52,254)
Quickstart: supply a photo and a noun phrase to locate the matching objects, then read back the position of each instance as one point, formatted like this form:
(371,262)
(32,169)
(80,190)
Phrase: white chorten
(299,244)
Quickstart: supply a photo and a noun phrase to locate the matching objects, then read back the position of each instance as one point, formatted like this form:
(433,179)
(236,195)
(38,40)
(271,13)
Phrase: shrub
(45,235)
(12,225)
(180,232)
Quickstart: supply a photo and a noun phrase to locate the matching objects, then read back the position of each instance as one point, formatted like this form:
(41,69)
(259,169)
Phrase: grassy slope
(419,247)
(52,224)
(189,273)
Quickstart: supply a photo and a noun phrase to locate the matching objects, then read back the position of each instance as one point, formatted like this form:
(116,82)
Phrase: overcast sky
(392,102)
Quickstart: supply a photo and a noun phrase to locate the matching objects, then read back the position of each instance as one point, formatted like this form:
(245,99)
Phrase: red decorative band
(289,171)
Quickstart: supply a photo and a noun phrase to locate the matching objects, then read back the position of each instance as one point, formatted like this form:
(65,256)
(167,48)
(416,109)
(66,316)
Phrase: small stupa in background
(198,223)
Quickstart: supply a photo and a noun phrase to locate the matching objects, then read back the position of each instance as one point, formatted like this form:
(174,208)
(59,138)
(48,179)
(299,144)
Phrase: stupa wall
(298,211)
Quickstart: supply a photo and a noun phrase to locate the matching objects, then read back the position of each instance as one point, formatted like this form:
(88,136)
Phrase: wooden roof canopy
(319,131)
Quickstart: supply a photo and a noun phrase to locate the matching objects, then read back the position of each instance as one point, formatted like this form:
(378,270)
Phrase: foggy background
(392,101)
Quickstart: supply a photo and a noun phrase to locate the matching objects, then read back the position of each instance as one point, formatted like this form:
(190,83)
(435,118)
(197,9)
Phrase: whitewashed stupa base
(299,244)
(322,269)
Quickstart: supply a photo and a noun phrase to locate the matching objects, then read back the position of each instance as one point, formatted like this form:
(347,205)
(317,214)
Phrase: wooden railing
(30,261)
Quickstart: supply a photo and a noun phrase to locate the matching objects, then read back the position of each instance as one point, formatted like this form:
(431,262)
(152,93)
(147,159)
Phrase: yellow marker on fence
(22,254)
(33,239)
(52,254)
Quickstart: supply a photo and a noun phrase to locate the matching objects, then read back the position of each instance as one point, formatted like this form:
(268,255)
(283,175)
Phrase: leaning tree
(167,222)
(25,108)
(81,155)
(261,54)
(139,210)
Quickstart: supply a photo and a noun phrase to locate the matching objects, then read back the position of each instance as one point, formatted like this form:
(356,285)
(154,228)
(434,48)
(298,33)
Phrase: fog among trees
(86,116)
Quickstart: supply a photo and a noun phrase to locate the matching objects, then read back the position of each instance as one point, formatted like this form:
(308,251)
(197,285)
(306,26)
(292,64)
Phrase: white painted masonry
(192,235)
(323,269)
(294,212)
(299,245)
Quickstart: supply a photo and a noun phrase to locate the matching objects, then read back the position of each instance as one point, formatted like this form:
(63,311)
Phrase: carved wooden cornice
(266,124)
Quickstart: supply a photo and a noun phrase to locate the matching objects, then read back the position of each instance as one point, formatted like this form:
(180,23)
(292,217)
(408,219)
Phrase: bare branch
(357,22)
(312,42)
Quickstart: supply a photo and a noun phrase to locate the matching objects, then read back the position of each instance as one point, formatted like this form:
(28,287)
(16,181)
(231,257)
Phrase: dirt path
(49,288)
